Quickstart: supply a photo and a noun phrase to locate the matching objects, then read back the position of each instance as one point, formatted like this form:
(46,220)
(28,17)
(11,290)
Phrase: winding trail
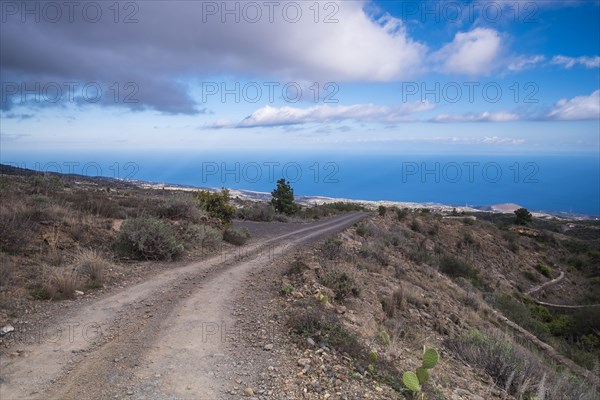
(160,339)
(553,282)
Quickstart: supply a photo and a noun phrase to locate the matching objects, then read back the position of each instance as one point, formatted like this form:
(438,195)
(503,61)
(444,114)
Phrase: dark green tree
(283,198)
(216,204)
(522,216)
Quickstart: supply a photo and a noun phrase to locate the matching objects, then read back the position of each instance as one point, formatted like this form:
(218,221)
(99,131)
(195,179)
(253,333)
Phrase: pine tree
(283,198)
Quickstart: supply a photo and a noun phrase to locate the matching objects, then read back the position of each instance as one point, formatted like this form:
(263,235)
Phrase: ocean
(551,183)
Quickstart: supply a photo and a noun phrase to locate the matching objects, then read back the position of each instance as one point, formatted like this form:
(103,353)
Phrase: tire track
(144,324)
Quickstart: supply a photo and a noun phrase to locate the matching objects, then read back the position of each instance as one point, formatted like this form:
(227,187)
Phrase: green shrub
(147,239)
(286,289)
(237,237)
(401,214)
(419,253)
(520,314)
(341,282)
(323,326)
(264,213)
(540,312)
(531,276)
(381,210)
(205,235)
(415,226)
(375,252)
(361,231)
(455,268)
(216,204)
(522,216)
(561,326)
(178,208)
(331,249)
(544,270)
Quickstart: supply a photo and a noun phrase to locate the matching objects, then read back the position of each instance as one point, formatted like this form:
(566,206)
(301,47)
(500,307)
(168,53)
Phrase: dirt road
(164,338)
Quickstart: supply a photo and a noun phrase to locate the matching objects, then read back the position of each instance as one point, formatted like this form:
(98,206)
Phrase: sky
(504,76)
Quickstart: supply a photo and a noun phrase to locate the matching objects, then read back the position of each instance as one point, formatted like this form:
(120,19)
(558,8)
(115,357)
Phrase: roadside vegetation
(403,279)
(374,296)
(63,235)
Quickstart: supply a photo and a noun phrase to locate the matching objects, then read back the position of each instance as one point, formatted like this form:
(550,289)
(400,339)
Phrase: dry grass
(66,282)
(399,297)
(90,264)
(7,269)
(516,369)
(18,230)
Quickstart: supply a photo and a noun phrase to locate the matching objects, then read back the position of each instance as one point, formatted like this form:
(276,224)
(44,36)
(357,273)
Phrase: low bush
(18,231)
(178,208)
(216,204)
(7,269)
(90,264)
(261,213)
(374,252)
(324,327)
(66,282)
(147,239)
(402,214)
(95,203)
(415,226)
(331,249)
(204,235)
(544,270)
(361,231)
(456,268)
(341,282)
(237,237)
(516,369)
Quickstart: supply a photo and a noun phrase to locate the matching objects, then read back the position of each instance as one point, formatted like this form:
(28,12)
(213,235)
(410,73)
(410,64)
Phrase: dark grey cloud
(177,41)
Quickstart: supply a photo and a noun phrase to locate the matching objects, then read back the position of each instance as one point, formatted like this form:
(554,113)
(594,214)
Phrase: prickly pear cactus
(373,356)
(423,375)
(411,381)
(430,358)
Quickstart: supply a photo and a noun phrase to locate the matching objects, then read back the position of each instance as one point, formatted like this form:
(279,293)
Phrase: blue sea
(553,183)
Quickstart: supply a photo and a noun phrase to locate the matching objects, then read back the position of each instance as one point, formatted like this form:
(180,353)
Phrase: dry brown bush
(90,264)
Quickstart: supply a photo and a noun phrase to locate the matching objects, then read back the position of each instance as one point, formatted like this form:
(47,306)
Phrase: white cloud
(577,108)
(471,53)
(570,62)
(357,47)
(279,116)
(498,116)
(521,63)
(492,140)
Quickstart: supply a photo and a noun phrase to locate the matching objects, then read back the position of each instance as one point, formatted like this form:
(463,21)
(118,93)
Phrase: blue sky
(514,76)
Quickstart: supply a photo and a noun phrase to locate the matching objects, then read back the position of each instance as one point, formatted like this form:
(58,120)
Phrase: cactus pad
(423,375)
(430,358)
(411,381)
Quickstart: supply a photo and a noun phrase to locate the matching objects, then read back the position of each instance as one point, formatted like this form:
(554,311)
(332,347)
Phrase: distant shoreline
(507,208)
(311,200)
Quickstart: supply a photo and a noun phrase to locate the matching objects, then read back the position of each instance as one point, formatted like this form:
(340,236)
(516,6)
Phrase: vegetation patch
(516,369)
(147,238)
(340,281)
(456,268)
(237,237)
